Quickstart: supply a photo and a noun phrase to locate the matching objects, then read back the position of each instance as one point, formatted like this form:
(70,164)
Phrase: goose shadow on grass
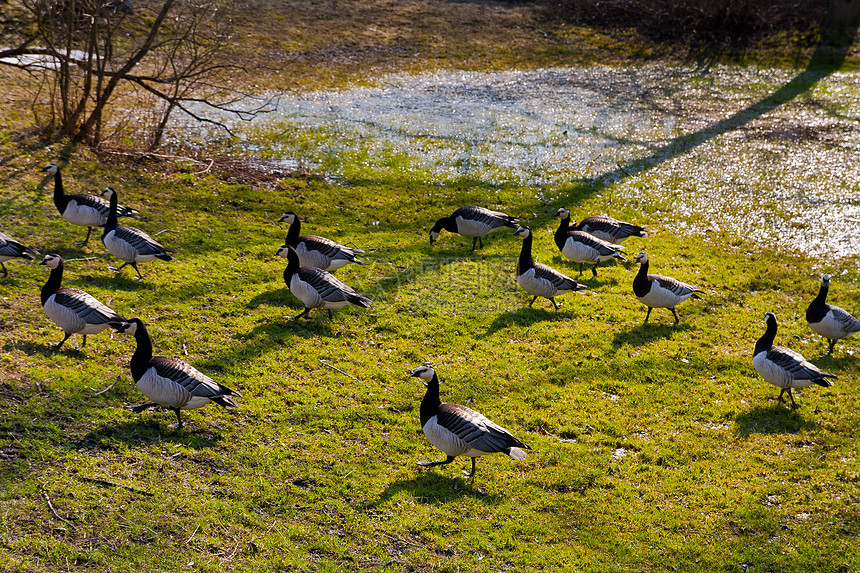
(774,418)
(151,428)
(48,349)
(527,316)
(647,333)
(432,487)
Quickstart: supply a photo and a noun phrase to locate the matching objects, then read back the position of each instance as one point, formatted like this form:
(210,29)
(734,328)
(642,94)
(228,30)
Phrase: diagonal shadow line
(826,59)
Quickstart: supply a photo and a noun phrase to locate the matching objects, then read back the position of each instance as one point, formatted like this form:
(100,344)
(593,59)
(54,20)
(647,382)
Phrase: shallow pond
(699,142)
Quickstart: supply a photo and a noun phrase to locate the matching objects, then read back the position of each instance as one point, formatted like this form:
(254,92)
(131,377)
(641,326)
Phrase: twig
(196,529)
(208,167)
(106,389)
(84,259)
(341,371)
(621,167)
(54,511)
(165,231)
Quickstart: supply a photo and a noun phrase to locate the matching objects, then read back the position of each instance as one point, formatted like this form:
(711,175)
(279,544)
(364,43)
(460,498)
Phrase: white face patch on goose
(289,219)
(51,261)
(50,168)
(424,372)
(562,213)
(641,258)
(434,235)
(282,251)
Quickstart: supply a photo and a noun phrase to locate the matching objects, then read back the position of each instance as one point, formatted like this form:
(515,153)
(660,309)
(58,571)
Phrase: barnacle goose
(784,368)
(657,291)
(317,288)
(581,247)
(169,382)
(538,279)
(129,243)
(315,251)
(472,222)
(830,321)
(10,249)
(609,229)
(82,209)
(72,309)
(461,431)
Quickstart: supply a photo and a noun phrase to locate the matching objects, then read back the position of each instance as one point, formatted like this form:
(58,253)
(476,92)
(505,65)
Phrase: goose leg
(307,310)
(594,270)
(793,403)
(448,460)
(779,398)
(63,340)
(330,315)
(647,314)
(5,272)
(470,474)
(580,269)
(85,341)
(86,239)
(832,344)
(134,265)
(533,301)
(552,300)
(178,417)
(674,313)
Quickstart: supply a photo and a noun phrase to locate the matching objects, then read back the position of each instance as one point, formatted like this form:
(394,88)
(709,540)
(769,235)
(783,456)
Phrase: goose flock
(454,429)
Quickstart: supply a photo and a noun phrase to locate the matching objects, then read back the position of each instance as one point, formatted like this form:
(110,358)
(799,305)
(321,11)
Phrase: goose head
(562,213)
(50,169)
(125,327)
(641,258)
(52,261)
(425,372)
(289,217)
(769,318)
(825,280)
(523,231)
(283,251)
(108,193)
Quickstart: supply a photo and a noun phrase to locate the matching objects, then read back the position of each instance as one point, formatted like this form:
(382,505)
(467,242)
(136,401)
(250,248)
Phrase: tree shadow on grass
(432,487)
(152,428)
(772,419)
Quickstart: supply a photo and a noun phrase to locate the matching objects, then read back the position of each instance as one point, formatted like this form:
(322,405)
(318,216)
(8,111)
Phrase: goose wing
(327,247)
(86,306)
(140,241)
(329,288)
(9,247)
(674,285)
(559,280)
(844,319)
(610,226)
(602,247)
(487,217)
(192,380)
(475,429)
(795,364)
(93,202)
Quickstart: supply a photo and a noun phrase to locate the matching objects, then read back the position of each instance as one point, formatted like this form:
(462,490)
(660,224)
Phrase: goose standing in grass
(538,279)
(169,382)
(129,243)
(82,209)
(461,431)
(830,321)
(317,288)
(10,249)
(784,368)
(581,247)
(657,291)
(472,222)
(609,229)
(72,309)
(315,251)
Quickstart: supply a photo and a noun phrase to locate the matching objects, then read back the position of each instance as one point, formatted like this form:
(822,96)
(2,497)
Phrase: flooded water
(697,142)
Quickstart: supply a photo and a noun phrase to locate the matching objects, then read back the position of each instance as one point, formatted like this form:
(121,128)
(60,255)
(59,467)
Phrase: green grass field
(655,448)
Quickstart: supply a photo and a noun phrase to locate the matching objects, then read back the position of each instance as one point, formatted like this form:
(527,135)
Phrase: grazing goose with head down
(315,251)
(461,431)
(609,229)
(472,222)
(581,247)
(10,249)
(828,320)
(129,243)
(784,368)
(538,279)
(317,288)
(72,309)
(82,209)
(657,291)
(169,382)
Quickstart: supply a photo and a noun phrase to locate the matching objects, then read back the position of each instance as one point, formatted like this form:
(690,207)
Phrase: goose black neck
(641,284)
(430,403)
(526,261)
(143,354)
(561,232)
(53,284)
(293,233)
(766,341)
(818,307)
(60,199)
(447,223)
(112,216)
(292,265)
